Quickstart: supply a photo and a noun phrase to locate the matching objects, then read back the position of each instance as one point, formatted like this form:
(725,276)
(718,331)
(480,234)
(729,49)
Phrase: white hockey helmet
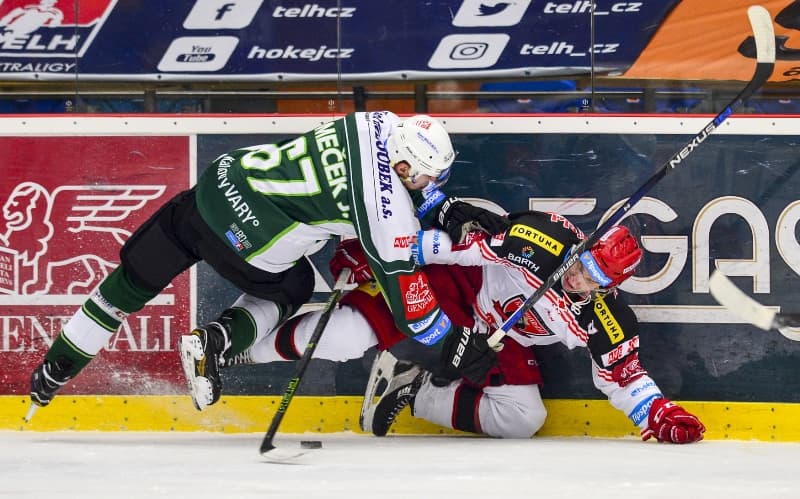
(424,144)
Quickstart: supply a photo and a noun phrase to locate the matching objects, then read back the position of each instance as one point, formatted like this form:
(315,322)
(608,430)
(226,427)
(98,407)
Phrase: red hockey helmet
(613,258)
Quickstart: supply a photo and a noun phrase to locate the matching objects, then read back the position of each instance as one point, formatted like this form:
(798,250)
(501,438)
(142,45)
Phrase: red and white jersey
(505,287)
(517,263)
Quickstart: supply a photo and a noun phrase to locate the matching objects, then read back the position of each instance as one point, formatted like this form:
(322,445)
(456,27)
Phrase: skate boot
(202,354)
(395,383)
(47,379)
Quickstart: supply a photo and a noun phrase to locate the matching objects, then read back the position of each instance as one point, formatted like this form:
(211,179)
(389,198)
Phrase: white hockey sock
(86,334)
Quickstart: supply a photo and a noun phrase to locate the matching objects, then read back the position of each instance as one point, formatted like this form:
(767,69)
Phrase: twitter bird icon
(490,13)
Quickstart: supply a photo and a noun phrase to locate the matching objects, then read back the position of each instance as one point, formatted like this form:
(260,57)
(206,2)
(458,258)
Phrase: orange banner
(708,40)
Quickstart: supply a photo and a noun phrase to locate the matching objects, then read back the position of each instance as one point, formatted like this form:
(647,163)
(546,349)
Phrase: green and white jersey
(273,203)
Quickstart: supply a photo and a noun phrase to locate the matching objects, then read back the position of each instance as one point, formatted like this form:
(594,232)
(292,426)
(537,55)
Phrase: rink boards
(733,204)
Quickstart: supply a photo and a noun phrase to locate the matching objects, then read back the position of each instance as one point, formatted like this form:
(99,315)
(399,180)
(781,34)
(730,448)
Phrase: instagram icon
(468,51)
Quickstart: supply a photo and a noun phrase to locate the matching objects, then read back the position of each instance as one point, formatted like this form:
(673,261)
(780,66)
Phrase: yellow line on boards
(247,414)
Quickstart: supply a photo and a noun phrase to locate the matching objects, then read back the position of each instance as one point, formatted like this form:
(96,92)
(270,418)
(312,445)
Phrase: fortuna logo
(608,321)
(536,237)
(35,256)
(55,28)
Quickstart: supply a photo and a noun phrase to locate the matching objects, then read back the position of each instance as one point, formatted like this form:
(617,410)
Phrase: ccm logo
(462,347)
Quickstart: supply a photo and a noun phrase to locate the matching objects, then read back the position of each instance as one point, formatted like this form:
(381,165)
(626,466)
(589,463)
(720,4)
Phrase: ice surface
(87,465)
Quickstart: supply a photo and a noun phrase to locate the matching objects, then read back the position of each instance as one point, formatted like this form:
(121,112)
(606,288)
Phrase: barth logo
(65,241)
(50,28)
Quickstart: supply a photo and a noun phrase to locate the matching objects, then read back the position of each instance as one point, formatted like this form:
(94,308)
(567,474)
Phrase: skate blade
(381,371)
(191,351)
(31,411)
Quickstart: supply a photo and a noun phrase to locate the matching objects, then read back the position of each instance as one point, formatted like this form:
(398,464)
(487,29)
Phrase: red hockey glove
(350,255)
(669,422)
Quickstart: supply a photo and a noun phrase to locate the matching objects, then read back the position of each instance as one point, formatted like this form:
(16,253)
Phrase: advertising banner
(68,204)
(702,40)
(321,40)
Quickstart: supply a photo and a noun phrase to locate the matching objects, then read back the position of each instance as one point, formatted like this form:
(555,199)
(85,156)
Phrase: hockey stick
(761,24)
(268,450)
(735,300)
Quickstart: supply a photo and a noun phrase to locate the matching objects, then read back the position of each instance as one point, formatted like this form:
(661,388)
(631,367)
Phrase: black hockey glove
(466,353)
(458,218)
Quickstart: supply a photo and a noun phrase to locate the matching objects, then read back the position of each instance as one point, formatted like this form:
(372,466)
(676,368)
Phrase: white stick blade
(281,455)
(763,32)
(735,300)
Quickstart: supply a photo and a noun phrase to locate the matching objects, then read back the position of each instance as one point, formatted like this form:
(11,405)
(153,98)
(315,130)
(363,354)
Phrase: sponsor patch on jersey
(628,371)
(536,237)
(237,245)
(642,411)
(608,321)
(620,351)
(528,324)
(437,332)
(404,241)
(433,198)
(648,385)
(417,295)
(422,325)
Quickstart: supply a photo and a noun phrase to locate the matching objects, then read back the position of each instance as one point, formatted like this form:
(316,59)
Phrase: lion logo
(65,241)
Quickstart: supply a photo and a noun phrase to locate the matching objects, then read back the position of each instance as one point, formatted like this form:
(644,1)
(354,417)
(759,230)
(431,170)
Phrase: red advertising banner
(68,204)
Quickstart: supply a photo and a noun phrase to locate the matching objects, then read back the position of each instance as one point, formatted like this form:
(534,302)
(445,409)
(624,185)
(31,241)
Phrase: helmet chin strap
(601,292)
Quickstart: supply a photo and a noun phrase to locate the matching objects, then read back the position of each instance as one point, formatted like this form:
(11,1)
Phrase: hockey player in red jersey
(480,283)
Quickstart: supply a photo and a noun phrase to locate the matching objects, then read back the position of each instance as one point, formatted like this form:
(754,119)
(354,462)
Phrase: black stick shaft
(302,364)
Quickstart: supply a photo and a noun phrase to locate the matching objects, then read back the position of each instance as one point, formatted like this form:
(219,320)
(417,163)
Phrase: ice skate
(395,383)
(46,380)
(202,354)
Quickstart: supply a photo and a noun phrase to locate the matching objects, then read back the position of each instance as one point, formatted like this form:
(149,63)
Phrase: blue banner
(293,40)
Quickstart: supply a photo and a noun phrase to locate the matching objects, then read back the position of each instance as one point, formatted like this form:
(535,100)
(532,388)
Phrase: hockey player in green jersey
(254,216)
